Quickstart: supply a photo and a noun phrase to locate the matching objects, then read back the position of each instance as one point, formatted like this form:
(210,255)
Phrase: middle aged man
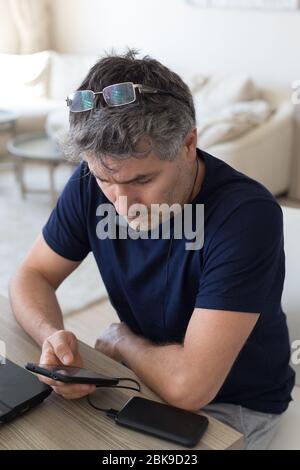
(202,327)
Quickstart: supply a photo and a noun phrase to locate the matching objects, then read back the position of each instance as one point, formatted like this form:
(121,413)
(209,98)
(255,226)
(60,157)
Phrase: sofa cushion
(232,121)
(23,78)
(228,107)
(32,118)
(57,123)
(67,72)
(223,90)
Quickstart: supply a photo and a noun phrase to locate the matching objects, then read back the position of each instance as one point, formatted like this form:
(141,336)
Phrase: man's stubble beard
(156,217)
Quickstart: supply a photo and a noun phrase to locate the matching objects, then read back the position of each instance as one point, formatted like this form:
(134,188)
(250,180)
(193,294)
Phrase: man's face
(147,180)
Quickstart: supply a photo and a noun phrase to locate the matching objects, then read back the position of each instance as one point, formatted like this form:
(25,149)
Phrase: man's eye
(144,181)
(135,182)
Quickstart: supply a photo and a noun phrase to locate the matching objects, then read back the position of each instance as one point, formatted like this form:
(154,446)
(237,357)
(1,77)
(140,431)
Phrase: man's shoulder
(233,199)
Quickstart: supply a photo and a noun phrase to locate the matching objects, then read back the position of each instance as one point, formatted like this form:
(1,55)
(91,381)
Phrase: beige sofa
(266,152)
(35,84)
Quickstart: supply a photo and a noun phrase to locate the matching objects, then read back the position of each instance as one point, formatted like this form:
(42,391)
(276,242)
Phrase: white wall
(263,44)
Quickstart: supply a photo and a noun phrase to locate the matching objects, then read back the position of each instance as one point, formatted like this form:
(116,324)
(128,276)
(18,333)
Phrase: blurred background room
(241,61)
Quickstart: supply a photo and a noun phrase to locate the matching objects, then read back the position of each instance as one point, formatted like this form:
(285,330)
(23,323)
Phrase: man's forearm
(161,368)
(34,304)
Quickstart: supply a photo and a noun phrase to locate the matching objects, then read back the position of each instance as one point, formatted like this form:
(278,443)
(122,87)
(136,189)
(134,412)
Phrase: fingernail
(67,358)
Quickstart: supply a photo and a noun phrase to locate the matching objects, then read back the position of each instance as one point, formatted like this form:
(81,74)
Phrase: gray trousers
(258,428)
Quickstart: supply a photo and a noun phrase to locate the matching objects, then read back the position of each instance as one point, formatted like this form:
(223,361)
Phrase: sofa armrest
(283,116)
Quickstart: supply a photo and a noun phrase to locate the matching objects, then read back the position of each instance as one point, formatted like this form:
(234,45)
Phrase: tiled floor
(88,323)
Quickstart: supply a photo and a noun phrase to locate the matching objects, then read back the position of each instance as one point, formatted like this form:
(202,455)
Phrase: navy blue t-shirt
(155,287)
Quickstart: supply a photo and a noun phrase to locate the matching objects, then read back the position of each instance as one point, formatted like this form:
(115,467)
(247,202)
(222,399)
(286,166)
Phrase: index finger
(48,381)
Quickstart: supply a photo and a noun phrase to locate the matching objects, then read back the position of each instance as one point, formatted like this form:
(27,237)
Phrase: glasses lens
(81,101)
(120,94)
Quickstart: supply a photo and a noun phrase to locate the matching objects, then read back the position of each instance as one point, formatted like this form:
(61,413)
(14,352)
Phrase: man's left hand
(110,337)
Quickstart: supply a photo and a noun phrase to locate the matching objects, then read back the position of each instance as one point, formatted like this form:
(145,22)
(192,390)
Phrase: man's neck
(199,179)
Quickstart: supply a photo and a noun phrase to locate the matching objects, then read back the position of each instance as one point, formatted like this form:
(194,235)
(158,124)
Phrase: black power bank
(163,421)
(19,391)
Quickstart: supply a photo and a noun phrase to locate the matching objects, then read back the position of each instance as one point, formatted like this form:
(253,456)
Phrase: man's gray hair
(163,121)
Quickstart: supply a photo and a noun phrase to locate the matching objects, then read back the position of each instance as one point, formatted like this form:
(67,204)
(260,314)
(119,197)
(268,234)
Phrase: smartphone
(163,421)
(72,375)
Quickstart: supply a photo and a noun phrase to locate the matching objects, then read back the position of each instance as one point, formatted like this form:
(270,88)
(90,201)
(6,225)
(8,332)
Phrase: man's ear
(190,144)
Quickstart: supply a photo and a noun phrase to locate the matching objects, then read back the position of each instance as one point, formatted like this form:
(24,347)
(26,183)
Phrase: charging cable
(112,413)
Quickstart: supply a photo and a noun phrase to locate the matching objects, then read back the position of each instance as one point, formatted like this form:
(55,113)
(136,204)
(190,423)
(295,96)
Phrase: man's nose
(123,200)
(121,205)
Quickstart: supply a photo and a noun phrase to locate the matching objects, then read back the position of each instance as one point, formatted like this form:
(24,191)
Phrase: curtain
(32,20)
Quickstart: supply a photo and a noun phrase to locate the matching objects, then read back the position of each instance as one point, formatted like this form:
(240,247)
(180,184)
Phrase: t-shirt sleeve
(66,229)
(243,265)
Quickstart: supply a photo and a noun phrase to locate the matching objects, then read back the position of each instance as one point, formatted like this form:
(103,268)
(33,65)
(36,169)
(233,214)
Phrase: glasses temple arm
(147,89)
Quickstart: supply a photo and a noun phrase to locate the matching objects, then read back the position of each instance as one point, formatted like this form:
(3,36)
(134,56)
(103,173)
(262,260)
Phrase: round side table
(35,148)
(8,121)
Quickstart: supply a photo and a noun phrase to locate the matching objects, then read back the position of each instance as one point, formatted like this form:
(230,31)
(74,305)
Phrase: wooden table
(72,424)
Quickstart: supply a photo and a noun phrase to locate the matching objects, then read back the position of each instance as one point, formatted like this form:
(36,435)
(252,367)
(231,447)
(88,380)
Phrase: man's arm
(32,290)
(187,375)
(34,303)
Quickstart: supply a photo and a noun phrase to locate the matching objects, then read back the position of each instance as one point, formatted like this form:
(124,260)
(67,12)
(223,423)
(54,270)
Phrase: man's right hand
(61,348)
